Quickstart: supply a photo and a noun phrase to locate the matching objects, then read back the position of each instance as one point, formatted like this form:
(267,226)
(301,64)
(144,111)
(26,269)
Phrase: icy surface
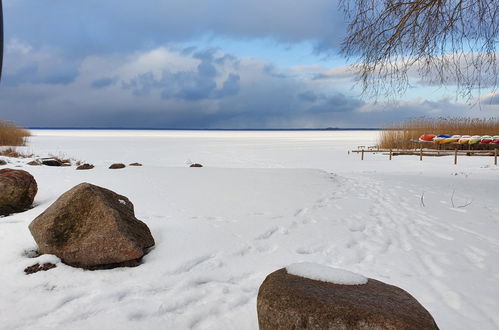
(264,200)
(323,273)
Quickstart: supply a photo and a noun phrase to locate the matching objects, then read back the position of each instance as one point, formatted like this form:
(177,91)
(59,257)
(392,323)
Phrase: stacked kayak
(475,139)
(486,139)
(459,139)
(427,137)
(451,139)
(465,139)
(441,138)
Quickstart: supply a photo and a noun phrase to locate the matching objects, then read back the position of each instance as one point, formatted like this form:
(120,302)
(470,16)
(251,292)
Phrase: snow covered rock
(287,301)
(92,227)
(17,191)
(326,274)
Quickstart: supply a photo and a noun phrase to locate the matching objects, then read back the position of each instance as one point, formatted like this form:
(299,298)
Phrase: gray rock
(117,166)
(288,301)
(17,191)
(85,167)
(51,162)
(92,227)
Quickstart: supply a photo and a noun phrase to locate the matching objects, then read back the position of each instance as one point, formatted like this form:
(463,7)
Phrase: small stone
(85,167)
(17,191)
(37,268)
(34,163)
(117,166)
(196,165)
(135,164)
(2,162)
(51,162)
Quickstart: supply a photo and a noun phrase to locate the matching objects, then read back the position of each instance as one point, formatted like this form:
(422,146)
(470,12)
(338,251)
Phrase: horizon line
(210,129)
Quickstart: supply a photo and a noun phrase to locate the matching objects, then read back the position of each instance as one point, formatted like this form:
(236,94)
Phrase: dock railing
(424,152)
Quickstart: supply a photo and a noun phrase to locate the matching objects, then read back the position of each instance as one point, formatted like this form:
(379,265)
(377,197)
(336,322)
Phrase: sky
(195,64)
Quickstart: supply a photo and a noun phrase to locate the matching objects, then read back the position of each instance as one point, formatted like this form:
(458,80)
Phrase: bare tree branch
(445,41)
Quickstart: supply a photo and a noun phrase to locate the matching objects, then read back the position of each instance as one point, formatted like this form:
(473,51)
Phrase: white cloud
(196,88)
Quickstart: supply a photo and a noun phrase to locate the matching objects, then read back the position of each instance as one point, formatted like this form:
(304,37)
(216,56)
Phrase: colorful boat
(452,139)
(427,137)
(486,139)
(440,138)
(465,139)
(495,139)
(475,139)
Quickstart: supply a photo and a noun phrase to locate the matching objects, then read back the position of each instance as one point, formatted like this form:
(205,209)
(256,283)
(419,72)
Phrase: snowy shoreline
(264,200)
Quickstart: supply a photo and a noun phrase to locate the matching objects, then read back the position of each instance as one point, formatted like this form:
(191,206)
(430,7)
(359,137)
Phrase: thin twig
(459,206)
(464,205)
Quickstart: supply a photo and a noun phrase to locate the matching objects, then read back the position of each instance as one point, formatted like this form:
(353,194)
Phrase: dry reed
(397,136)
(12,135)
(13,153)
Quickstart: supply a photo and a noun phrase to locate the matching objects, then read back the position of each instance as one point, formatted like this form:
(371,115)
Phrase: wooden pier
(423,152)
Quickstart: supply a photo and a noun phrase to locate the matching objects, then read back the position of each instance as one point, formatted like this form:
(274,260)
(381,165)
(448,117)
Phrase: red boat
(427,137)
(486,139)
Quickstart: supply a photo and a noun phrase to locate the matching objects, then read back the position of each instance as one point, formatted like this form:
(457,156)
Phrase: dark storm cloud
(337,102)
(186,88)
(102,82)
(308,96)
(34,74)
(193,85)
(96,27)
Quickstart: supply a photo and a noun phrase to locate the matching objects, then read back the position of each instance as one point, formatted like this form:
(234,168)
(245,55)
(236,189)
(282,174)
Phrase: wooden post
(390,157)
(455,156)
(495,157)
(421,153)
(362,155)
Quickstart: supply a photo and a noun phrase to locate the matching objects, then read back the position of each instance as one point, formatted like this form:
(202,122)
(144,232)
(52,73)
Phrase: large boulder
(92,227)
(287,301)
(17,191)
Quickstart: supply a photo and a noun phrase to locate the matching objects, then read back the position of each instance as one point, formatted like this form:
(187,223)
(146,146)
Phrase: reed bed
(12,135)
(397,136)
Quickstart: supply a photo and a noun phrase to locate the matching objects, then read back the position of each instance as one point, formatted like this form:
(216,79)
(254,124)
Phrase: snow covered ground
(263,201)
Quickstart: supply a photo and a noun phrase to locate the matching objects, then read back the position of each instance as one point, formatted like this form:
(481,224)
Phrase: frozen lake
(251,149)
(264,200)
